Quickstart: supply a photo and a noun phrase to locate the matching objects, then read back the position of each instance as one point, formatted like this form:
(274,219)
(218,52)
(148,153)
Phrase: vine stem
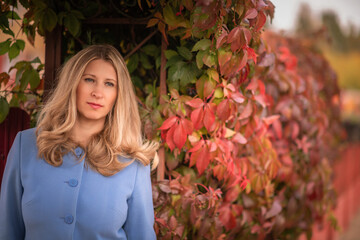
(140,45)
(161,152)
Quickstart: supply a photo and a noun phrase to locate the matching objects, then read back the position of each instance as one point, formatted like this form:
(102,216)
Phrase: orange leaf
(152,22)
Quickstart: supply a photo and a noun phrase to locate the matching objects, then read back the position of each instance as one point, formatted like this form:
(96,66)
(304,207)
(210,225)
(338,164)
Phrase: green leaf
(203,44)
(173,61)
(25,3)
(21,44)
(19,75)
(169,15)
(133,62)
(34,78)
(4,22)
(72,24)
(184,52)
(25,79)
(36,60)
(199,59)
(9,32)
(145,61)
(49,19)
(5,46)
(13,15)
(170,53)
(188,75)
(77,14)
(4,109)
(151,50)
(14,51)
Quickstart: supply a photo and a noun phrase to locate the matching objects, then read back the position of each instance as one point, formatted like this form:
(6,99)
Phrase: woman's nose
(97,92)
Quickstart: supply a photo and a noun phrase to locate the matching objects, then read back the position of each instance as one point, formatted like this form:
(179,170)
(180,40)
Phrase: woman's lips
(94,105)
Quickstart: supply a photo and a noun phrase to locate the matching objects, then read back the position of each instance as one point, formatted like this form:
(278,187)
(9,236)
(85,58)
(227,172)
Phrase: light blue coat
(40,202)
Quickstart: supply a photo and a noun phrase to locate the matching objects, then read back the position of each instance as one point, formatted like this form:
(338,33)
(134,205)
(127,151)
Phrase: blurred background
(335,28)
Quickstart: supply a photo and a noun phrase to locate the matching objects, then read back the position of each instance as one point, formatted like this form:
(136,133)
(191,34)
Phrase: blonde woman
(84,172)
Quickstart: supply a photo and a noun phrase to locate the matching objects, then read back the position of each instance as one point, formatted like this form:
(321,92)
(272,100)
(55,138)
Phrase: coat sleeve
(140,217)
(11,220)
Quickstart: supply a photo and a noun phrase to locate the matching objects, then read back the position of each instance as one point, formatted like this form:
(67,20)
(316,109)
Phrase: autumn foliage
(248,149)
(249,123)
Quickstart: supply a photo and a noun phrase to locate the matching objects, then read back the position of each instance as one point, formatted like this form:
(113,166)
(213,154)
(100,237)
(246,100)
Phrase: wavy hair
(121,135)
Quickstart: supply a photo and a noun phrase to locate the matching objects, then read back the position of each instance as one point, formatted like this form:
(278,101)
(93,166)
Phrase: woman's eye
(89,80)
(110,84)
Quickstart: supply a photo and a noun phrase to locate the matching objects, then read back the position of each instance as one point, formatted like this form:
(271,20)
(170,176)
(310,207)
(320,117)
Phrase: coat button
(78,152)
(73,182)
(69,219)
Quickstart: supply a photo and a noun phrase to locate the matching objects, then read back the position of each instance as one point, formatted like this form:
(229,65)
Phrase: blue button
(69,219)
(78,152)
(73,182)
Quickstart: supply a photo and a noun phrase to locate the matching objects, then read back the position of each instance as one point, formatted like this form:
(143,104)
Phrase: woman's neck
(83,131)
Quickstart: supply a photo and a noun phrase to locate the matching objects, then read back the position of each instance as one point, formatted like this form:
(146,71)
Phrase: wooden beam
(116,21)
(52,59)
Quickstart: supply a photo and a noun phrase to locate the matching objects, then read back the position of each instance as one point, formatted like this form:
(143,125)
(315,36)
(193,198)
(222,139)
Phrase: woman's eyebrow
(92,75)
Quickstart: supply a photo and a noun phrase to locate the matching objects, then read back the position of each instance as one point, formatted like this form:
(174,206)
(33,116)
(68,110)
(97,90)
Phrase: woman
(84,172)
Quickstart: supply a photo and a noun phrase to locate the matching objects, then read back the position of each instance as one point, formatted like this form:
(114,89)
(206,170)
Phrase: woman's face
(96,92)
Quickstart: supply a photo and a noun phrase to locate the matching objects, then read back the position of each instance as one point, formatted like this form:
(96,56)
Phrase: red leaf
(238,97)
(197,146)
(223,58)
(261,20)
(251,13)
(247,111)
(221,39)
(203,161)
(209,118)
(232,194)
(197,118)
(169,138)
(260,99)
(168,123)
(269,120)
(226,217)
(275,210)
(295,130)
(277,128)
(234,34)
(239,138)
(179,136)
(251,54)
(253,85)
(195,103)
(223,110)
(187,125)
(247,35)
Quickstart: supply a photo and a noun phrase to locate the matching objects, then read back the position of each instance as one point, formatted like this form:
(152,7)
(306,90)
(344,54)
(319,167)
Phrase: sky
(287,10)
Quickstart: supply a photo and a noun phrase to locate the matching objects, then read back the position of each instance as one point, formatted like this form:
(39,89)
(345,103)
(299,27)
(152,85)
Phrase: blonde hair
(121,135)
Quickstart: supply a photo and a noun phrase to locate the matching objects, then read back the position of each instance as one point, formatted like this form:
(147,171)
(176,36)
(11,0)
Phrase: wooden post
(161,166)
(52,59)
